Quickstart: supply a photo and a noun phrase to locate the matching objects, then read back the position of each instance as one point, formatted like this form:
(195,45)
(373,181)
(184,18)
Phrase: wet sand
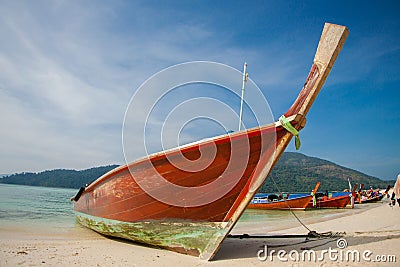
(375,228)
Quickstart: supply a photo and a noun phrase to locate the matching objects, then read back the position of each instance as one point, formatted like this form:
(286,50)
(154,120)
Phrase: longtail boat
(333,202)
(376,198)
(323,201)
(358,195)
(119,204)
(370,199)
(296,203)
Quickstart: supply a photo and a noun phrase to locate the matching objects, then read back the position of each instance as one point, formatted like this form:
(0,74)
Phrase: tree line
(294,172)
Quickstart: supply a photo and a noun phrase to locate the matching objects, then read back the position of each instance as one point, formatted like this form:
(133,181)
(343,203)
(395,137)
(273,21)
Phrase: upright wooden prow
(353,191)
(331,42)
(353,195)
(317,185)
(134,201)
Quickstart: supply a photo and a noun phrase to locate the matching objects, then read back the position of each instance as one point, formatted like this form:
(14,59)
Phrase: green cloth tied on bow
(289,127)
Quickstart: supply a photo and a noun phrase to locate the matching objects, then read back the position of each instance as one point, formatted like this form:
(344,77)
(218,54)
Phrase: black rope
(290,209)
(327,242)
(266,236)
(311,234)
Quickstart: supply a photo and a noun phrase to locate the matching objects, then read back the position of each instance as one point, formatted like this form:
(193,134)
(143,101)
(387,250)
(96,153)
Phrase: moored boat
(332,202)
(295,203)
(370,196)
(376,198)
(121,203)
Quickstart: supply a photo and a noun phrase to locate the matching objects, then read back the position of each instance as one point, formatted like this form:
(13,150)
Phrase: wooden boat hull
(117,205)
(180,236)
(134,201)
(299,203)
(334,202)
(370,200)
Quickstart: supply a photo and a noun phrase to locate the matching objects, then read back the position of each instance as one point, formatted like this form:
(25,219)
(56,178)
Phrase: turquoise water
(32,205)
(22,206)
(272,220)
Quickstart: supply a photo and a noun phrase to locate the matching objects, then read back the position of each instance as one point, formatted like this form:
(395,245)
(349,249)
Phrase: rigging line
(331,239)
(310,237)
(290,209)
(305,242)
(290,244)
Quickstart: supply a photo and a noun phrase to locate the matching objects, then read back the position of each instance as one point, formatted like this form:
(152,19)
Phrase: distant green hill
(58,178)
(294,172)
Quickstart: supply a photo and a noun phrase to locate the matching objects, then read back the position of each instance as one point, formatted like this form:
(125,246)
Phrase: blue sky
(69,68)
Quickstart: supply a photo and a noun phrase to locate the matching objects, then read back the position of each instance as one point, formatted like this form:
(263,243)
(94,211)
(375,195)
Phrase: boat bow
(121,202)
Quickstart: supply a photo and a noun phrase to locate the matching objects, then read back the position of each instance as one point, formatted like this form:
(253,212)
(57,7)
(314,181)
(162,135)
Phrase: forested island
(295,172)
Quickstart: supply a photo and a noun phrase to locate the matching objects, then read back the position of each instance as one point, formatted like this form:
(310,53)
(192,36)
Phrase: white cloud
(70,68)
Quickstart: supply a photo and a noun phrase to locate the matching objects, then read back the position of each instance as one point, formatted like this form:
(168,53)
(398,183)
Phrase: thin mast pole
(242,99)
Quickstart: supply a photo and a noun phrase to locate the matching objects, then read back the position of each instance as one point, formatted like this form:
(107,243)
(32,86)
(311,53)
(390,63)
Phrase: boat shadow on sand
(235,248)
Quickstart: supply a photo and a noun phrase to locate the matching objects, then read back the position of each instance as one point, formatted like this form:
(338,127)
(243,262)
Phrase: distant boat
(119,202)
(375,198)
(332,202)
(296,203)
(323,201)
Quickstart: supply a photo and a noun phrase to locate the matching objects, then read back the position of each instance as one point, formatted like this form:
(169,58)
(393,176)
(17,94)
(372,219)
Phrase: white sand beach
(375,232)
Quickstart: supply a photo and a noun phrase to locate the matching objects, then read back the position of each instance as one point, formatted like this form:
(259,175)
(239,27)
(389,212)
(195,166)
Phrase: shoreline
(374,228)
(252,227)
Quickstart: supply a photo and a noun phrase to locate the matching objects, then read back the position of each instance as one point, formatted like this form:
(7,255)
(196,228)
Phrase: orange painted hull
(117,199)
(299,203)
(334,202)
(134,201)
(117,195)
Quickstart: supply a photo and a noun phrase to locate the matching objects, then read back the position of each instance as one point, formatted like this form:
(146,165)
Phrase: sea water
(51,209)
(36,206)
